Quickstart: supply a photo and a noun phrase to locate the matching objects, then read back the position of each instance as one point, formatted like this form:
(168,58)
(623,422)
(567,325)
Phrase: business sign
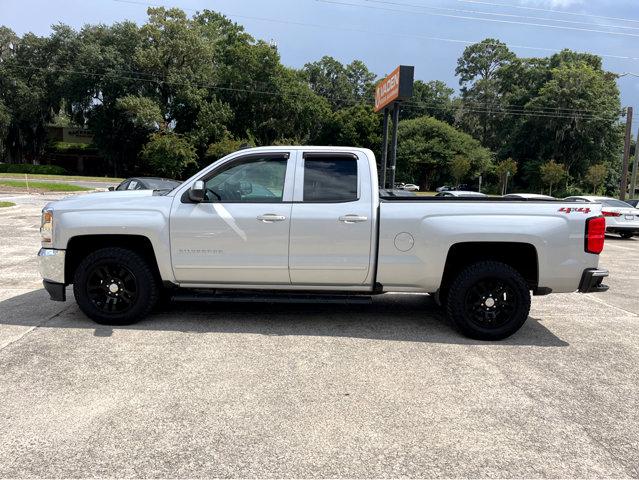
(396,87)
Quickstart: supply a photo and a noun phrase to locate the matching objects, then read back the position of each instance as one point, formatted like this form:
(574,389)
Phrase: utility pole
(633,176)
(626,155)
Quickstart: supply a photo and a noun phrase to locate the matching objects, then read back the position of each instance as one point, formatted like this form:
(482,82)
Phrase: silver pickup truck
(312,221)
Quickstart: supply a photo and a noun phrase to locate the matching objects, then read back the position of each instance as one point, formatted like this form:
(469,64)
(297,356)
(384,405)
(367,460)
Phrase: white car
(621,217)
(410,187)
(297,221)
(529,196)
(460,193)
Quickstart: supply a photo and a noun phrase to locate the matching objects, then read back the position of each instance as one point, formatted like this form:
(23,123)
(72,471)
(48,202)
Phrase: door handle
(271,217)
(353,218)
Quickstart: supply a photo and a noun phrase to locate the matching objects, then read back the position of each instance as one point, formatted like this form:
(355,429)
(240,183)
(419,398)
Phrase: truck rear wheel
(115,286)
(488,301)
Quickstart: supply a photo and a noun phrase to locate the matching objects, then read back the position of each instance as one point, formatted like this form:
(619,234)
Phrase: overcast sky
(429,34)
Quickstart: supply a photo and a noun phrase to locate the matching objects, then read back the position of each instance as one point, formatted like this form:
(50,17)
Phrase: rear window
(615,203)
(329,179)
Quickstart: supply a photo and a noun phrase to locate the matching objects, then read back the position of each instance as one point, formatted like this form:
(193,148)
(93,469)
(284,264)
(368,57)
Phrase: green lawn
(6,204)
(60,177)
(426,194)
(51,187)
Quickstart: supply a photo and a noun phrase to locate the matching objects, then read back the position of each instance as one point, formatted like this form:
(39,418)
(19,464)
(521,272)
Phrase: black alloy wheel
(116,286)
(112,287)
(488,300)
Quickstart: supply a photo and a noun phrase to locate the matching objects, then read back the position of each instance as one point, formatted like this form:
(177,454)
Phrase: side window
(258,180)
(330,179)
(134,185)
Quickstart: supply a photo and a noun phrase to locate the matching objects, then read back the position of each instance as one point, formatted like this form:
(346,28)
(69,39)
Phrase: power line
(539,9)
(569,114)
(381,32)
(494,20)
(497,14)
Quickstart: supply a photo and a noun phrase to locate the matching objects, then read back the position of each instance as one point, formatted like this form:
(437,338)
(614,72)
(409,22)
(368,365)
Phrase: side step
(268,297)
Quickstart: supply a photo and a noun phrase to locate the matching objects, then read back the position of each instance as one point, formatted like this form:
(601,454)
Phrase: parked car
(146,183)
(529,196)
(460,193)
(323,228)
(444,188)
(621,217)
(410,187)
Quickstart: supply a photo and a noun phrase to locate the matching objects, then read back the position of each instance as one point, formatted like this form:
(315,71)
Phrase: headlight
(46,227)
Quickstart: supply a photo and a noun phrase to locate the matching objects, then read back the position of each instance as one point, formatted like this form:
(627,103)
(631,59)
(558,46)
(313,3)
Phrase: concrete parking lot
(272,390)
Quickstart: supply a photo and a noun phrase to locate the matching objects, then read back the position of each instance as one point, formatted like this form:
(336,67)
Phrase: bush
(168,155)
(28,168)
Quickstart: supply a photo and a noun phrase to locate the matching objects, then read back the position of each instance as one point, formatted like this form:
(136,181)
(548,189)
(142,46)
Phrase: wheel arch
(80,246)
(521,256)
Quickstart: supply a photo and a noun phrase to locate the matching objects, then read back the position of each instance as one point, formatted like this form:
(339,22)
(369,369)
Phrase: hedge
(28,168)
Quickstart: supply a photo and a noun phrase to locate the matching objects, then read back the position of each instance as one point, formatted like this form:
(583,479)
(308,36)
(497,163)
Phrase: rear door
(331,220)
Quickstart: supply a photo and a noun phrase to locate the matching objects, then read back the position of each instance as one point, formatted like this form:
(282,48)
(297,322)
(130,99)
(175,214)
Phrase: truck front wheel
(488,301)
(115,286)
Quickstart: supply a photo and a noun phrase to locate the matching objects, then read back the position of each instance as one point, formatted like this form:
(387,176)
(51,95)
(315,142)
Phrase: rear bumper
(622,229)
(591,281)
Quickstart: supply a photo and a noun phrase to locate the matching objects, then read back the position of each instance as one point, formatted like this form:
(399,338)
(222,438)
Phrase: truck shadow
(412,318)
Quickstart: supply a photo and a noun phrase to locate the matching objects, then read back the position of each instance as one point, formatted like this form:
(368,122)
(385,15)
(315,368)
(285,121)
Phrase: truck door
(331,220)
(239,234)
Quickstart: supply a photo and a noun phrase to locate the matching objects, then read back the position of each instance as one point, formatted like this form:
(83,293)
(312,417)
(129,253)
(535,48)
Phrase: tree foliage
(427,147)
(596,176)
(168,154)
(552,173)
(204,80)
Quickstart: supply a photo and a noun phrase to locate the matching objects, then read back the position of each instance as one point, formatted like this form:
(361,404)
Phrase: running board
(269,297)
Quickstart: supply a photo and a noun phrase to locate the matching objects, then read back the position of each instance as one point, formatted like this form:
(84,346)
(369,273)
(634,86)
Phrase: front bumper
(51,264)
(591,280)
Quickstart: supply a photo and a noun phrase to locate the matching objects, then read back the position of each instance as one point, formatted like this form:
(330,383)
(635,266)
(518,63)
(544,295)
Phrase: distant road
(79,183)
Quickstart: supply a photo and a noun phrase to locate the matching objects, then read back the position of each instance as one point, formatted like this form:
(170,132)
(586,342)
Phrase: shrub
(35,169)
(168,154)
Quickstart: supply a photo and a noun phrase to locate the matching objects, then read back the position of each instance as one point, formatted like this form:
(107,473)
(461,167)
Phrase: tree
(552,173)
(459,167)
(478,69)
(434,98)
(596,176)
(340,85)
(357,126)
(581,127)
(428,146)
(220,149)
(505,169)
(168,155)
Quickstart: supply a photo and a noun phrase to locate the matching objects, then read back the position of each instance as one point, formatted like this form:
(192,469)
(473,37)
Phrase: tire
(115,286)
(626,235)
(488,301)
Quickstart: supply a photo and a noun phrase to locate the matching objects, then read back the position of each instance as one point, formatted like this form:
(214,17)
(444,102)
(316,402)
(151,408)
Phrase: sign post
(390,92)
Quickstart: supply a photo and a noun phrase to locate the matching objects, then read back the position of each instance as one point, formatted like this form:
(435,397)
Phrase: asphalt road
(271,390)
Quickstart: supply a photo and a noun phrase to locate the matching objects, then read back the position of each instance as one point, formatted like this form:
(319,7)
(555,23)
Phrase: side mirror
(111,189)
(196,192)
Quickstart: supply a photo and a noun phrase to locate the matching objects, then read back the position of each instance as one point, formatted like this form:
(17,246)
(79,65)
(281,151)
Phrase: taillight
(611,214)
(595,234)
